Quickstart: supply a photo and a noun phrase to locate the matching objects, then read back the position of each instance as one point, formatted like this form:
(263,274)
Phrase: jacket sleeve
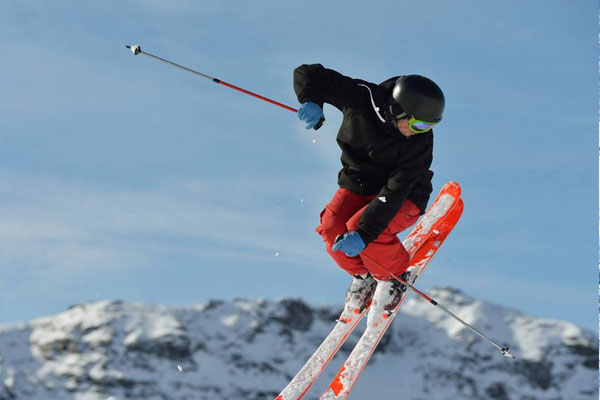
(384,207)
(317,84)
(421,191)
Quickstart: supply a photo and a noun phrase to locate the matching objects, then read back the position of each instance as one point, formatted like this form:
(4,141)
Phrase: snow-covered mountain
(250,349)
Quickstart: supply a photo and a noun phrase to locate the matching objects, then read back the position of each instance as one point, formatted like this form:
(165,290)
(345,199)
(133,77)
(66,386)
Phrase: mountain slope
(250,349)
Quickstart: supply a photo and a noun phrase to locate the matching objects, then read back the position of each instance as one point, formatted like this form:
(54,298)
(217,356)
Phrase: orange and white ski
(422,243)
(424,230)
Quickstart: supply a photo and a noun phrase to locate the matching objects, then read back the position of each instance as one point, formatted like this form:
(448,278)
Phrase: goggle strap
(400,116)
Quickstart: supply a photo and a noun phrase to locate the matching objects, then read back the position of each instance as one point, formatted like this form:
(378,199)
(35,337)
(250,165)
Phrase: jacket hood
(388,84)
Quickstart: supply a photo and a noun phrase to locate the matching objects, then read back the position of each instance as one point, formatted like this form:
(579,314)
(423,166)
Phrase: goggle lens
(418,126)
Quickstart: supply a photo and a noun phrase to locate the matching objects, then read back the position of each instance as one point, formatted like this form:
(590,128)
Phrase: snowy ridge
(250,349)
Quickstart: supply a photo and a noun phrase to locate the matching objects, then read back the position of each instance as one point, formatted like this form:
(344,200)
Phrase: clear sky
(124,178)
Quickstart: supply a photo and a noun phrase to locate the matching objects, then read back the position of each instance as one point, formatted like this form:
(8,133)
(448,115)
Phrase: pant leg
(334,217)
(386,255)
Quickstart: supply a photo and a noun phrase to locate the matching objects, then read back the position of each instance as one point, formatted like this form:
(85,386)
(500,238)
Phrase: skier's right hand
(311,113)
(349,243)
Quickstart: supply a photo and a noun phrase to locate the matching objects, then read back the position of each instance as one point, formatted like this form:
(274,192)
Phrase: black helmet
(419,97)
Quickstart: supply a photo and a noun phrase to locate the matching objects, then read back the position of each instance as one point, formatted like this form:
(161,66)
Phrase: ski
(433,230)
(309,373)
(350,316)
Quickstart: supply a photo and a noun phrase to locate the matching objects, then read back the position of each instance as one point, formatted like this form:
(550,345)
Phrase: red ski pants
(384,255)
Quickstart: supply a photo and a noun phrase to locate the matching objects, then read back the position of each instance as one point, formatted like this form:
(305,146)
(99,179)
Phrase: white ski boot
(360,292)
(389,293)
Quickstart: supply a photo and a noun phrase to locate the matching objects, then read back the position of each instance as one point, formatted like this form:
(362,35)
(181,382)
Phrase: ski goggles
(418,126)
(415,125)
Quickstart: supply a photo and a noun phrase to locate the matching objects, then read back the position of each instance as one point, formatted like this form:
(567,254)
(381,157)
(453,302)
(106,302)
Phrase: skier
(386,139)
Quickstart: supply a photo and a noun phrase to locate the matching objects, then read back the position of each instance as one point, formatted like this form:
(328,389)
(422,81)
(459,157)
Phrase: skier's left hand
(311,113)
(350,243)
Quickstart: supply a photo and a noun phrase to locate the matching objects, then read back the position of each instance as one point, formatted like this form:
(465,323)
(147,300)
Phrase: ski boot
(360,292)
(390,292)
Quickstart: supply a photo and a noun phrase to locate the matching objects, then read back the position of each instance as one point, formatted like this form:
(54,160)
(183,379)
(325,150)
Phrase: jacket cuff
(365,236)
(312,100)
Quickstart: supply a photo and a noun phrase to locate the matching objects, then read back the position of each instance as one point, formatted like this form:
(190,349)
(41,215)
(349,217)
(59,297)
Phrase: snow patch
(230,320)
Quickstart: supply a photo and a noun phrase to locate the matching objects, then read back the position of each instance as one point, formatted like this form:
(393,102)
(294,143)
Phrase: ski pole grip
(319,124)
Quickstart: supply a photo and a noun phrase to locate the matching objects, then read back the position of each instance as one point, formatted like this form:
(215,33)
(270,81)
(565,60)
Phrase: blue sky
(124,178)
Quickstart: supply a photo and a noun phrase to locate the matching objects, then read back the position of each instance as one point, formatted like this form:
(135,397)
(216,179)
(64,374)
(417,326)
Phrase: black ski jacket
(376,158)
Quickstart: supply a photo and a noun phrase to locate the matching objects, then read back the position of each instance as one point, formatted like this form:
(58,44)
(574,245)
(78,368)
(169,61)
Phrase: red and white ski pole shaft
(138,50)
(504,350)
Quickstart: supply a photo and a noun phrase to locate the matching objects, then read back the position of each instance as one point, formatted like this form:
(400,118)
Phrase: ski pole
(138,50)
(503,350)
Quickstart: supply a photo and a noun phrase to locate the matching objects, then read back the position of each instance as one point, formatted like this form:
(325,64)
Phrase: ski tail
(311,370)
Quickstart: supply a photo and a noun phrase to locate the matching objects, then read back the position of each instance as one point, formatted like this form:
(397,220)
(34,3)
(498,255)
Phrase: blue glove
(350,243)
(311,113)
